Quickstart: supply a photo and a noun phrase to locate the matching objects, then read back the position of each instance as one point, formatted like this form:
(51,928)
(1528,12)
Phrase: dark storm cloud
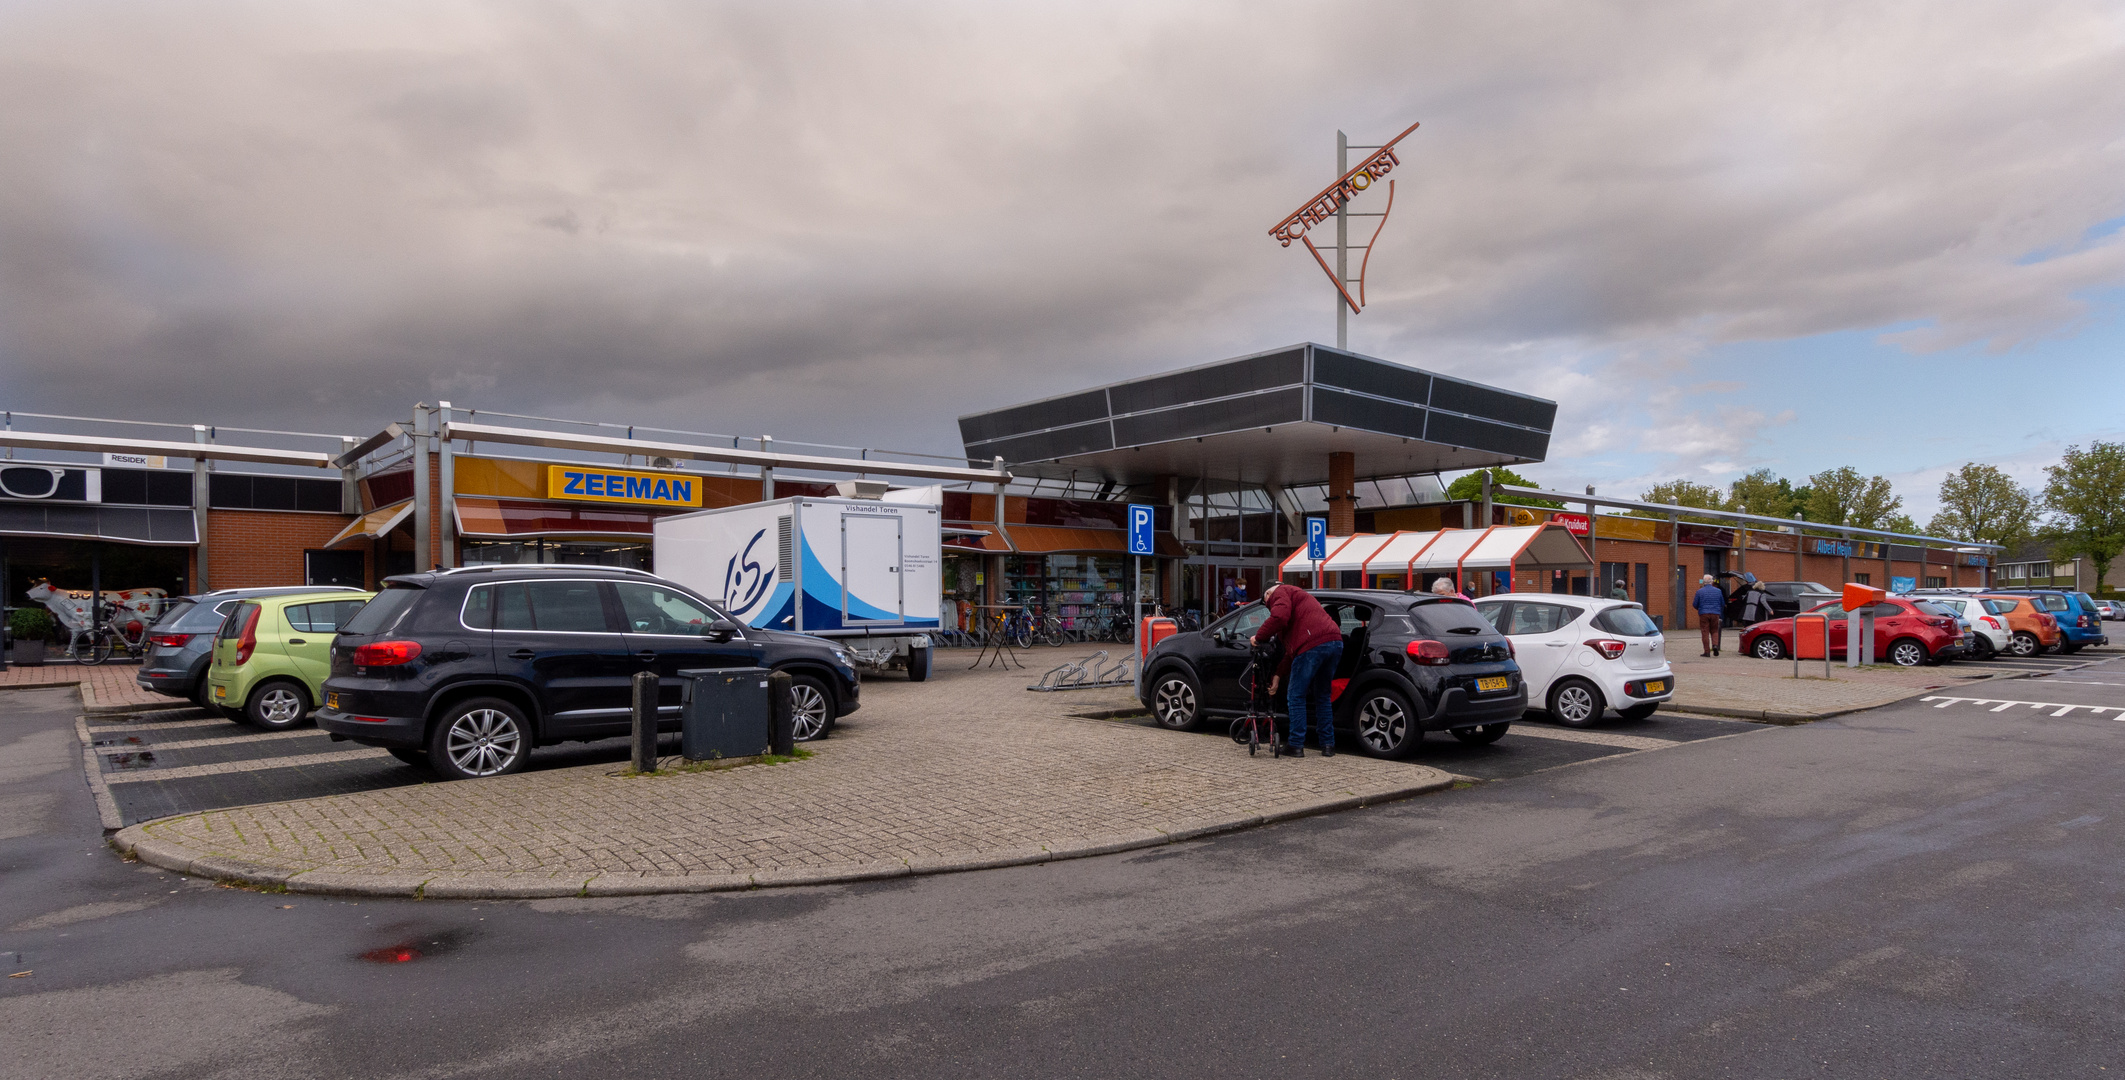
(850,223)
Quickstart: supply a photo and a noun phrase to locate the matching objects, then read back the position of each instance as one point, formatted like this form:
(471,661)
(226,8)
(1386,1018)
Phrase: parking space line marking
(253,765)
(167,725)
(2059,708)
(1598,738)
(187,744)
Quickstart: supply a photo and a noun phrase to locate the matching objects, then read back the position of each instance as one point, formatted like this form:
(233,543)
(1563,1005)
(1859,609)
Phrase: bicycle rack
(1096,671)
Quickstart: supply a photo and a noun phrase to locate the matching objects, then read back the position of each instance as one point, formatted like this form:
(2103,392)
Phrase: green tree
(1762,492)
(1981,503)
(1842,496)
(2086,496)
(1470,486)
(1682,493)
(1899,523)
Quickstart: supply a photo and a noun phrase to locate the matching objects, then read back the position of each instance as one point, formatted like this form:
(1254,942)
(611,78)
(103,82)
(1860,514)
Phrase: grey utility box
(725,713)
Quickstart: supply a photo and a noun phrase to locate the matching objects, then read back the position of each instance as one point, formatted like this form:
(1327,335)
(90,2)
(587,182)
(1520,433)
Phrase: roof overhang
(1271,419)
(601,444)
(373,524)
(97,444)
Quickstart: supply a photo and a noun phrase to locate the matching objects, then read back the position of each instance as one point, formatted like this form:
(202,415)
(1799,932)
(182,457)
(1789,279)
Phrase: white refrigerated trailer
(863,572)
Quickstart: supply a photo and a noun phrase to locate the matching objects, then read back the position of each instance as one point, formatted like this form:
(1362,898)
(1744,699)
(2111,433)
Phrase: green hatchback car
(272,654)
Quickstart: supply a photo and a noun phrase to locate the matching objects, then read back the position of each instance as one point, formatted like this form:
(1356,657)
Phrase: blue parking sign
(1140,518)
(1316,539)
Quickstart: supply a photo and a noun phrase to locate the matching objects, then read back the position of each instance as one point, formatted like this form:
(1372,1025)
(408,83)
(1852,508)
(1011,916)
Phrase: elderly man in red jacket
(1313,646)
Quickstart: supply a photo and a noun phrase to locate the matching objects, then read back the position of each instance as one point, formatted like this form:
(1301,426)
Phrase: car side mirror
(721,631)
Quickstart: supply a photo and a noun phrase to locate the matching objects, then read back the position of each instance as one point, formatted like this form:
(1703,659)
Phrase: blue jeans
(1312,673)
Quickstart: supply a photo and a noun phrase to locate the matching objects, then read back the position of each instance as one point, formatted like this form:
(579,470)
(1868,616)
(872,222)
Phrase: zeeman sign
(622,486)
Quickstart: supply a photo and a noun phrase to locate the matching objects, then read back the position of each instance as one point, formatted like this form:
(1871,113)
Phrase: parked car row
(466,671)
(1415,663)
(1934,625)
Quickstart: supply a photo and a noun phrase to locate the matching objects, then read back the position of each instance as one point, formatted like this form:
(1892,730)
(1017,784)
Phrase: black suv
(1412,663)
(465,671)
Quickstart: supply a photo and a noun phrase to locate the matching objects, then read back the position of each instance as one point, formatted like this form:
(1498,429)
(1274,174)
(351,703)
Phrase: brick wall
(247,548)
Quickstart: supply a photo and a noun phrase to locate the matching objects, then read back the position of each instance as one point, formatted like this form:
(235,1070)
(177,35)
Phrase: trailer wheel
(918,664)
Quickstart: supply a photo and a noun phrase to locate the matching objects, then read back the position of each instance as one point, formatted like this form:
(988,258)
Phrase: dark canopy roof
(1271,418)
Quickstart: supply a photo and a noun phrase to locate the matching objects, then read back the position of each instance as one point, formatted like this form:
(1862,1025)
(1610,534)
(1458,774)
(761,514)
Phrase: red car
(1906,633)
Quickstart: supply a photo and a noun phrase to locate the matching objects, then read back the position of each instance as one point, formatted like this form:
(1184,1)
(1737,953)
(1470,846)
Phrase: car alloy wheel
(1907,653)
(1768,647)
(1173,703)
(277,704)
(1385,728)
(809,711)
(2025,644)
(484,742)
(1576,704)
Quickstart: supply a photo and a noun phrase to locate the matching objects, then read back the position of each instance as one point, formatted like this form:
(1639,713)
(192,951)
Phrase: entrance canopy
(373,524)
(1513,548)
(1271,419)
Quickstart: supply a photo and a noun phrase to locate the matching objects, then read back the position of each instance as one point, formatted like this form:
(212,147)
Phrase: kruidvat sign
(622,486)
(1834,547)
(1576,524)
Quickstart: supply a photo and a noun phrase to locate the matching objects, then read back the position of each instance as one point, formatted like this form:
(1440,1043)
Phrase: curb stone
(134,840)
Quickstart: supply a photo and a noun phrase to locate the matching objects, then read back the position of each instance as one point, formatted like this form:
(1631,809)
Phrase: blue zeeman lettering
(681,490)
(638,487)
(661,492)
(572,483)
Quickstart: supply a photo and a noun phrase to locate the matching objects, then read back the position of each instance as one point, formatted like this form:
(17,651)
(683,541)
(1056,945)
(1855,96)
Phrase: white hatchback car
(1983,618)
(1582,655)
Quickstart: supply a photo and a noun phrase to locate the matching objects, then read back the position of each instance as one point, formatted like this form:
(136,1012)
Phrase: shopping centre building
(1234,456)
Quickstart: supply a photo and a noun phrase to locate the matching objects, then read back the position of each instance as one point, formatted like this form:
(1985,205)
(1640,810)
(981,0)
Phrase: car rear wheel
(1576,703)
(1176,702)
(1387,726)
(811,708)
(276,705)
(1984,649)
(2025,644)
(1906,652)
(480,737)
(1768,647)
(1483,734)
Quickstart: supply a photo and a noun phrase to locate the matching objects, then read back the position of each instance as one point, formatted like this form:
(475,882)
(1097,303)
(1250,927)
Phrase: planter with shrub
(31,628)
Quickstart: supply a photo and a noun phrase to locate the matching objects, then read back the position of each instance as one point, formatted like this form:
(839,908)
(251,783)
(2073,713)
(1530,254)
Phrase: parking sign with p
(1140,518)
(1316,538)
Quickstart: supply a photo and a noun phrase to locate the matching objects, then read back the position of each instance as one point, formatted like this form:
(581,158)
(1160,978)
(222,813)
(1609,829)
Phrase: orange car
(2035,631)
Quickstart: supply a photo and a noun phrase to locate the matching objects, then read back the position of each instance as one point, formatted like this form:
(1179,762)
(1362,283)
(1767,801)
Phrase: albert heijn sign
(592,484)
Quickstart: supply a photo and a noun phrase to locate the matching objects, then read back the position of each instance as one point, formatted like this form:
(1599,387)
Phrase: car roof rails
(566,568)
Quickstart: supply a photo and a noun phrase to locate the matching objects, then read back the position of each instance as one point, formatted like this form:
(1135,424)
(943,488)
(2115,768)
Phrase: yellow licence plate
(331,701)
(1498,682)
(1656,686)
(221,693)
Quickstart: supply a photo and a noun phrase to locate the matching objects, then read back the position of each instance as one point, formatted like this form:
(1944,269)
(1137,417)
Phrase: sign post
(1317,545)
(1141,517)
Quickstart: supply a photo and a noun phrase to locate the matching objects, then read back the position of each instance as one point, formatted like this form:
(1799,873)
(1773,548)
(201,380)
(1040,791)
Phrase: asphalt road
(1928,889)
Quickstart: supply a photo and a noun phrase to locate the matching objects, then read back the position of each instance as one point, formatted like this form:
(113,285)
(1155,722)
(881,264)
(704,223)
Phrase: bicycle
(93,645)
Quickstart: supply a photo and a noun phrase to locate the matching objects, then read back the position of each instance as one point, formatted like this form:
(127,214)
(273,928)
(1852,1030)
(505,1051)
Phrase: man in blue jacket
(1711,605)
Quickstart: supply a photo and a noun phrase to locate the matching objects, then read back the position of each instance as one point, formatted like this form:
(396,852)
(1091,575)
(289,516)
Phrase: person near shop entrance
(1445,587)
(1619,591)
(1711,605)
(1313,647)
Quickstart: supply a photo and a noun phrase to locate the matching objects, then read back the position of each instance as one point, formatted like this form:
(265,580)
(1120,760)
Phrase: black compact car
(182,641)
(1411,663)
(465,671)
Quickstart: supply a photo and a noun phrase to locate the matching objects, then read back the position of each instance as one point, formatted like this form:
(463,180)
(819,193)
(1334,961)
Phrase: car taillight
(170,641)
(386,653)
(2084,620)
(1510,653)
(1427,652)
(2046,620)
(248,643)
(1609,648)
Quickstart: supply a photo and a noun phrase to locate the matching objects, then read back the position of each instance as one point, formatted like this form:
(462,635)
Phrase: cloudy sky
(1721,235)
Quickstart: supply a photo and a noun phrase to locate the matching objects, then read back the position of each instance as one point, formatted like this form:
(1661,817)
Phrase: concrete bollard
(782,726)
(645,715)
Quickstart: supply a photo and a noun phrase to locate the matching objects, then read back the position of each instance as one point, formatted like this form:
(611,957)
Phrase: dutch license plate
(331,701)
(221,693)
(1495,682)
(1656,686)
